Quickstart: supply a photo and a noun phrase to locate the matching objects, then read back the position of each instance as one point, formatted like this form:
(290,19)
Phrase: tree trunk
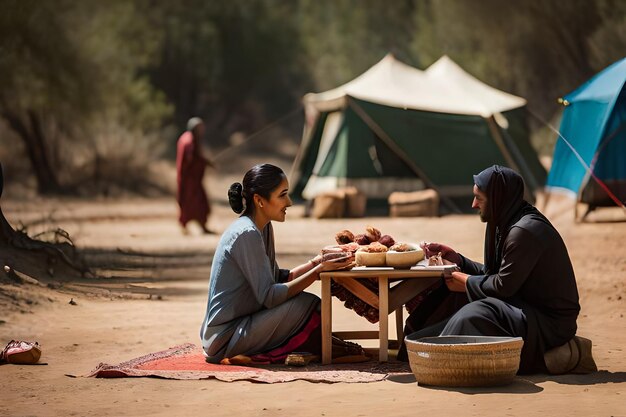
(34,255)
(35,143)
(6,231)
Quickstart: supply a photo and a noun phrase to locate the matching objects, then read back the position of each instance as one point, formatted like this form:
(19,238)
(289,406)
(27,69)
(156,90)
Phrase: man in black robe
(526,288)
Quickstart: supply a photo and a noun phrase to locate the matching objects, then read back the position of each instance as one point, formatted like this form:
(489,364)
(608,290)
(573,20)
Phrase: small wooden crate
(356,202)
(343,202)
(329,205)
(414,204)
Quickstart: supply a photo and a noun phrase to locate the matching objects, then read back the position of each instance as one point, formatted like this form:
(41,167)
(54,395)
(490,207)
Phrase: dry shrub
(119,161)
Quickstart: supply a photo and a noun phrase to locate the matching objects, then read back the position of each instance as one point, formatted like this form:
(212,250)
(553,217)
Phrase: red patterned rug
(187,362)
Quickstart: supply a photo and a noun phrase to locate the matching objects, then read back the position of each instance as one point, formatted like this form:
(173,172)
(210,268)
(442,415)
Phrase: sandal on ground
(347,352)
(301,358)
(21,352)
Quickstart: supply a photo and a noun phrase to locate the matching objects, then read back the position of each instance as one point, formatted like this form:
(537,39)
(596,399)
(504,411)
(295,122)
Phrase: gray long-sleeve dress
(248,311)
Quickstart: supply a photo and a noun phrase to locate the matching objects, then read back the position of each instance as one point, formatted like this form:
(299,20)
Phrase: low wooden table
(410,282)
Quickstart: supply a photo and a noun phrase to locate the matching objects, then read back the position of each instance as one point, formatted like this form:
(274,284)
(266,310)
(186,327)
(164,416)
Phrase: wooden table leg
(399,326)
(327,321)
(383,319)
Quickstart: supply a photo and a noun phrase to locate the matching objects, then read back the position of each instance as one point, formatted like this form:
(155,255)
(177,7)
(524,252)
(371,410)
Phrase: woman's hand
(447,253)
(337,264)
(316,260)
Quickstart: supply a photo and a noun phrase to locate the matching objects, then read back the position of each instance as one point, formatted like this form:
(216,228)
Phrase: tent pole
(497,137)
(395,148)
(534,185)
(604,141)
(296,172)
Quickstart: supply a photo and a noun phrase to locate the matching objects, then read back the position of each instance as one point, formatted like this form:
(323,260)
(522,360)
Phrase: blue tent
(594,123)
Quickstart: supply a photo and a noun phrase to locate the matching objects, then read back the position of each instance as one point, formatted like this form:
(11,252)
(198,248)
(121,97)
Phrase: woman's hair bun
(235,197)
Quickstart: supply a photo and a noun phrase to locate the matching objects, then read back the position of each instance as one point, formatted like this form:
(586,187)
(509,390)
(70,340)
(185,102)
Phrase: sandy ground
(154,293)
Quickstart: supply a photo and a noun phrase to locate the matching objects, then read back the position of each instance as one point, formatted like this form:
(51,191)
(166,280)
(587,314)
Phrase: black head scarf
(506,205)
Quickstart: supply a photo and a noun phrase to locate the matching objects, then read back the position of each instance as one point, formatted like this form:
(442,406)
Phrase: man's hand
(456,281)
(447,253)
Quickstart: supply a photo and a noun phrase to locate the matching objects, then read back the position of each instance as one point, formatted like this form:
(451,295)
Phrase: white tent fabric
(444,87)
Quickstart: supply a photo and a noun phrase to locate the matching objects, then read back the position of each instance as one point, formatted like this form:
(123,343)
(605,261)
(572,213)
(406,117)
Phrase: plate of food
(435,262)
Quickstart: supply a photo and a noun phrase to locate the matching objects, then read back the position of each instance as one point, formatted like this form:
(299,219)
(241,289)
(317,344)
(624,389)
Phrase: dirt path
(155,295)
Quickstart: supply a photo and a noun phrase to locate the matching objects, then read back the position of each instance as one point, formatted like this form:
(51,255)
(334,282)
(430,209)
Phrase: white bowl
(363,258)
(404,259)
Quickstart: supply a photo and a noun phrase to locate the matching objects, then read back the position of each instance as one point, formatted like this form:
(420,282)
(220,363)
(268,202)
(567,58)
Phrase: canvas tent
(397,128)
(594,123)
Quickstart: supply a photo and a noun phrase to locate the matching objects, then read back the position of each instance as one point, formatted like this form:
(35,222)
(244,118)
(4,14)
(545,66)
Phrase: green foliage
(39,65)
(72,70)
(608,43)
(343,38)
(236,64)
(120,43)
(537,49)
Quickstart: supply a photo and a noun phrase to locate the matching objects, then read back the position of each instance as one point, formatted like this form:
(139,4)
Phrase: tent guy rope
(582,161)
(258,133)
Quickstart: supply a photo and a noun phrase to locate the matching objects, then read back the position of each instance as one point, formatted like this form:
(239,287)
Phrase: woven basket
(464,361)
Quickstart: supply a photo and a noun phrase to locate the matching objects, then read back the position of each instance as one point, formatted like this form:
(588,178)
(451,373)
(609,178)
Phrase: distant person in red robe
(190,166)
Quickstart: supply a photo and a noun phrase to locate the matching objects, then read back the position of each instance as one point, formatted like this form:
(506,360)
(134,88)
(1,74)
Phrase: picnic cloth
(186,362)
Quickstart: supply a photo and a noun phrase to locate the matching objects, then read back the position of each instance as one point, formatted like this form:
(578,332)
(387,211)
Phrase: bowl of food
(464,361)
(404,255)
(373,254)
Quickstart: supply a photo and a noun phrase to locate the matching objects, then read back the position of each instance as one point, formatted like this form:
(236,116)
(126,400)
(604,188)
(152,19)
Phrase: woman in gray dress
(254,306)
